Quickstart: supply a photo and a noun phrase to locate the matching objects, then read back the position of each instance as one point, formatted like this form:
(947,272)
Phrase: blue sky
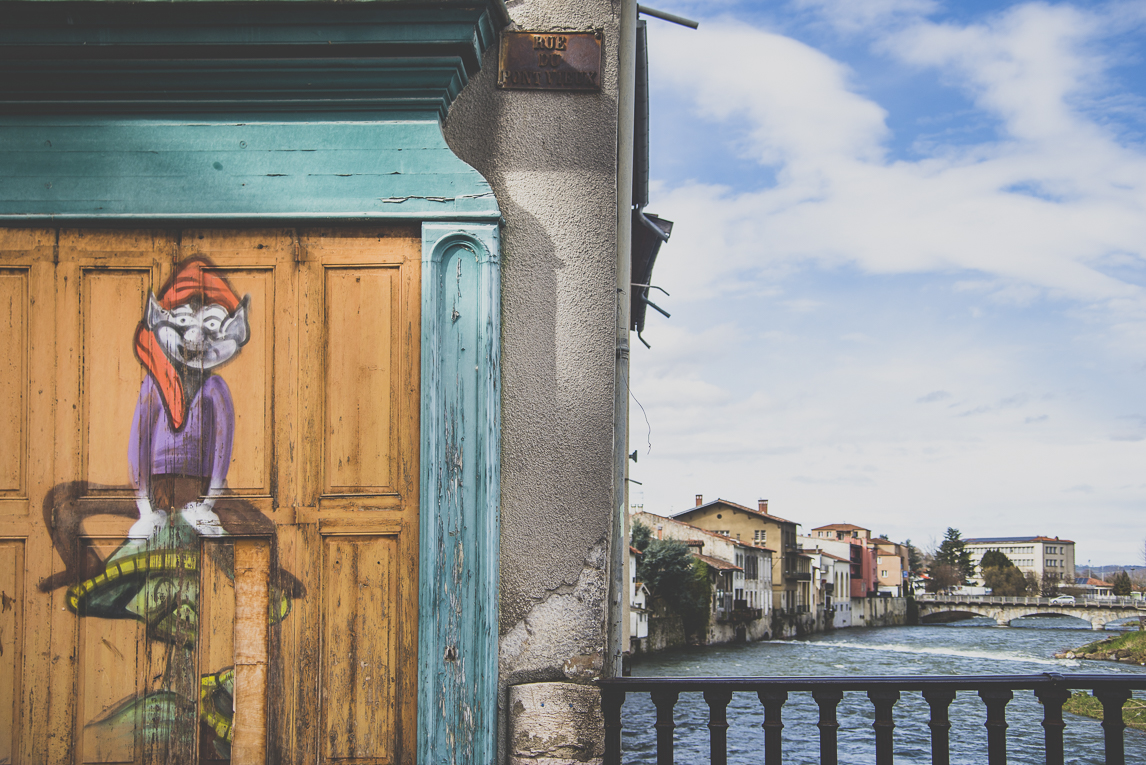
(908,273)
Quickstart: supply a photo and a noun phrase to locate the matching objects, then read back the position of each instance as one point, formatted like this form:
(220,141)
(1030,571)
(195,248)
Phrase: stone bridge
(1099,611)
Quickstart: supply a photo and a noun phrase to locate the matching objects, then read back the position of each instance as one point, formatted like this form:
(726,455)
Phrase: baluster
(718,725)
(773,702)
(1052,698)
(612,700)
(939,699)
(996,700)
(884,725)
(1112,725)
(828,699)
(664,701)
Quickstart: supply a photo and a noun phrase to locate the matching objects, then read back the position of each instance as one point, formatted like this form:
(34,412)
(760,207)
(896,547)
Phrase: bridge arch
(947,616)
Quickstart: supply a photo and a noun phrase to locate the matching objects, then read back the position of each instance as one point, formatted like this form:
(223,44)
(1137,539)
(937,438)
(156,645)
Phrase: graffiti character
(184,423)
(180,444)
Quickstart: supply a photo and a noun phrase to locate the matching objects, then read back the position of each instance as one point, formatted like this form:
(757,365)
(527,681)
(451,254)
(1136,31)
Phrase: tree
(1005,580)
(666,567)
(1002,575)
(914,558)
(679,580)
(1122,584)
(1034,587)
(944,577)
(953,552)
(1050,585)
(994,559)
(641,535)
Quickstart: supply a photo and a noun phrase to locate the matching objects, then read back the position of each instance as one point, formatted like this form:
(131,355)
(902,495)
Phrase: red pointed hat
(193,281)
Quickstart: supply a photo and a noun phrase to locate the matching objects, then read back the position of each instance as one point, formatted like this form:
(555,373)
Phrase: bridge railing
(1111,602)
(1051,689)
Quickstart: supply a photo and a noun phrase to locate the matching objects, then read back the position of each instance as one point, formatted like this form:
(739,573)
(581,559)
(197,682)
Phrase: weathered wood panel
(360,344)
(110,676)
(112,303)
(359,672)
(13,380)
(11,643)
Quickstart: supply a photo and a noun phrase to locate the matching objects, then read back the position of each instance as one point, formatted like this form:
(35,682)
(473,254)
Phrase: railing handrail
(939,691)
(1021,600)
(902,682)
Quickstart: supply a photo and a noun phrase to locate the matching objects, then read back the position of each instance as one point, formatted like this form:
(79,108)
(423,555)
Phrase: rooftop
(749,510)
(722,537)
(841,527)
(1009,540)
(717,563)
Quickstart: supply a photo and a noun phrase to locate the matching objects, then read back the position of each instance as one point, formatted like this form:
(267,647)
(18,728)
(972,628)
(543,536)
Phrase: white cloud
(1039,208)
(798,404)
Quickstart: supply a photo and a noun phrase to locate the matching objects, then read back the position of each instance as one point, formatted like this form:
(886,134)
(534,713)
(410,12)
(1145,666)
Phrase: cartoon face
(199,336)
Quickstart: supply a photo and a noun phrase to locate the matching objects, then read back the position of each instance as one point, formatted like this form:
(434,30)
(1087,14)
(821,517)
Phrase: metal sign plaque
(550,61)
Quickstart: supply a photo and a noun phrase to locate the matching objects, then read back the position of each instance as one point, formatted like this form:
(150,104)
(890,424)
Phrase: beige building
(761,528)
(1037,555)
(742,597)
(890,566)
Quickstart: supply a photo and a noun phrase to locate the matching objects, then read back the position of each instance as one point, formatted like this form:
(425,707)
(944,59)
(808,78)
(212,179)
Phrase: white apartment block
(1031,554)
(834,569)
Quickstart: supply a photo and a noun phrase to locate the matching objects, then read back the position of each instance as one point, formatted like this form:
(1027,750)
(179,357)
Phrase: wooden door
(208,495)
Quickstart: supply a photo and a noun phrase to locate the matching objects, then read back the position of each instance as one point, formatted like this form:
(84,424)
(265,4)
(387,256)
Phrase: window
(723,533)
(760,535)
(883,574)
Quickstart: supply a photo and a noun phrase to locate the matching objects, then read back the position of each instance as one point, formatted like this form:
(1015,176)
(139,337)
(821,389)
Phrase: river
(973,647)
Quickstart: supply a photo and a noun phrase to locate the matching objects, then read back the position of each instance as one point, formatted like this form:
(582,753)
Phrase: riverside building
(1049,557)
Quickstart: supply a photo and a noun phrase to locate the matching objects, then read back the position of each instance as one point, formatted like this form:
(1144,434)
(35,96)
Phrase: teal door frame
(359,143)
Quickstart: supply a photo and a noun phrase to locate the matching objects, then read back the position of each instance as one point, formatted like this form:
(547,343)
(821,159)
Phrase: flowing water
(973,647)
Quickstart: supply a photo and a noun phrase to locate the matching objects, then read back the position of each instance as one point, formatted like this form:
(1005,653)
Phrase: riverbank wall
(666,630)
(879,612)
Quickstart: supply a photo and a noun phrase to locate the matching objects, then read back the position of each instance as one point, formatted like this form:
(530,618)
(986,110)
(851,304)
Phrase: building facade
(890,567)
(286,299)
(859,550)
(1048,557)
(742,578)
(761,528)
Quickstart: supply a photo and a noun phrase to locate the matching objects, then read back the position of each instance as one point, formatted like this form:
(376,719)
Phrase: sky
(908,271)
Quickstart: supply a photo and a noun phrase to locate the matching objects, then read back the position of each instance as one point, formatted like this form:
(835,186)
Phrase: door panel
(359,692)
(110,309)
(13,380)
(359,378)
(11,608)
(287,631)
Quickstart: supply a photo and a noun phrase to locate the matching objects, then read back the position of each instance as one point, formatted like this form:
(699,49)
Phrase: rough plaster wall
(551,160)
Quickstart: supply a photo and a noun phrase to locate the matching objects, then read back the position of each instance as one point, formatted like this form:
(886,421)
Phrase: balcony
(1051,689)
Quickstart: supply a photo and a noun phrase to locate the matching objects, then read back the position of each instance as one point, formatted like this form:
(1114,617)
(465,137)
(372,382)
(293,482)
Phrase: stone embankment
(1129,648)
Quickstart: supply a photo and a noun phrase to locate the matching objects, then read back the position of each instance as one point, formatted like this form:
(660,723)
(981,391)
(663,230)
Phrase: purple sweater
(202,447)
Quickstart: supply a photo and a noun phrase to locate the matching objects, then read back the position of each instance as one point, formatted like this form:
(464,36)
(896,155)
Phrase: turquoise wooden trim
(459,515)
(124,170)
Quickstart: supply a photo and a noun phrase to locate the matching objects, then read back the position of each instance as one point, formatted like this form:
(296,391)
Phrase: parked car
(1063,600)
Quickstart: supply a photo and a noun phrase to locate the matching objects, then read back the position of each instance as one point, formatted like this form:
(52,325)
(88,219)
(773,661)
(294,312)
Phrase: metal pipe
(666,16)
(619,547)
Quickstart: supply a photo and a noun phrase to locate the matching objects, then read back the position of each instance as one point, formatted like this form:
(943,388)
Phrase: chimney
(763,506)
(699,500)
